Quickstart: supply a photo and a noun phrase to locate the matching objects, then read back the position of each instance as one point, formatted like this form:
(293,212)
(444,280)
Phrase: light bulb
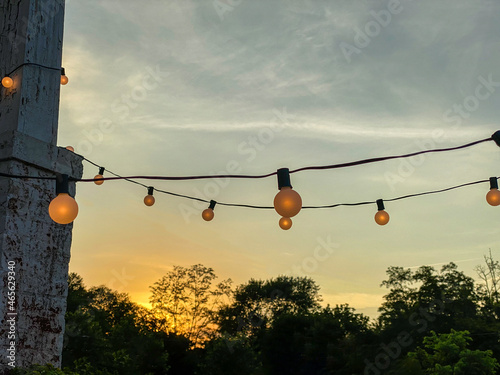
(63,209)
(7,82)
(99,175)
(287,202)
(64,79)
(381,217)
(493,197)
(70,148)
(207,214)
(149,200)
(100,182)
(285,223)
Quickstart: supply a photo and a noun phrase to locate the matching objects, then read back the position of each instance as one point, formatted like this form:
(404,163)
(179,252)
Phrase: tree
(185,301)
(105,335)
(490,277)
(323,342)
(447,354)
(230,356)
(258,303)
(425,299)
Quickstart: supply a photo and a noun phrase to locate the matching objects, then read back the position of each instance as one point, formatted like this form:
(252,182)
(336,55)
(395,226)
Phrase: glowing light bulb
(493,196)
(64,79)
(149,200)
(207,214)
(100,182)
(7,82)
(285,223)
(63,209)
(287,202)
(381,217)
(70,148)
(99,175)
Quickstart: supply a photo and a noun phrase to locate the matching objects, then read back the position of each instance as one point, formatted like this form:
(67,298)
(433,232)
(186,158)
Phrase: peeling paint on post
(31,244)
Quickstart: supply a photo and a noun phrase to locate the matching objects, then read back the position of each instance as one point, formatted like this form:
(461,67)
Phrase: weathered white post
(34,251)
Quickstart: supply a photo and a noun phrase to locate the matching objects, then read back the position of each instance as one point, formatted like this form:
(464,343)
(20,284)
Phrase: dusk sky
(207,87)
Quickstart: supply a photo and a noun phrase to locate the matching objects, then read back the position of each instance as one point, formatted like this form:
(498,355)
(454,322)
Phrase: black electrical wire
(33,64)
(26,177)
(495,137)
(321,167)
(304,207)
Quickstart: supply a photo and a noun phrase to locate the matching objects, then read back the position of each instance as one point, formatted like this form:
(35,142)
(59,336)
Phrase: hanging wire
(332,166)
(32,64)
(321,167)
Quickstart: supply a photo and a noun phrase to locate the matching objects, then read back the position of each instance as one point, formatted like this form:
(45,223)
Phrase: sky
(236,86)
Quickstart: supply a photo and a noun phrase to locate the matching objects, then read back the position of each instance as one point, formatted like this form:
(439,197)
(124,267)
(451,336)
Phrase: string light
(286,190)
(63,209)
(208,214)
(7,82)
(381,217)
(285,223)
(70,148)
(493,196)
(64,79)
(98,176)
(149,200)
(287,202)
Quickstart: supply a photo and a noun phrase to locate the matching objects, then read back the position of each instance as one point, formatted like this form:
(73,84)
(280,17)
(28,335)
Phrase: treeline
(431,322)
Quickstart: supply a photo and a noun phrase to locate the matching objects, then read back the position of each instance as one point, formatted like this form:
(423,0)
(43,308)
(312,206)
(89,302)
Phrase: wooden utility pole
(34,251)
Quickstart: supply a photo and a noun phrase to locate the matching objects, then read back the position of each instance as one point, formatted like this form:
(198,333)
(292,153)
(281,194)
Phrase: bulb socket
(101,170)
(150,190)
(283,178)
(212,204)
(496,137)
(62,184)
(380,204)
(493,183)
(63,72)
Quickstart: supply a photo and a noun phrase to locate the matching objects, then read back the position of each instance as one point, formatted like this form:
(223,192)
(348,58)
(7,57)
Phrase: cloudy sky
(202,87)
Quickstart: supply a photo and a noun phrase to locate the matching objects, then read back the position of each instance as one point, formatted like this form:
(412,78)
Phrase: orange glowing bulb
(7,82)
(285,223)
(63,209)
(493,197)
(70,148)
(149,200)
(100,182)
(381,217)
(64,80)
(287,202)
(207,214)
